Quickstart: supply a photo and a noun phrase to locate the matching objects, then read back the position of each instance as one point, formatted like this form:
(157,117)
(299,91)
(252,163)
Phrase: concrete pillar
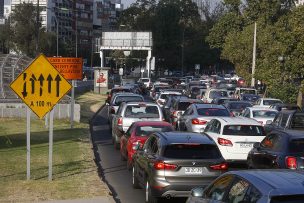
(148,64)
(101,58)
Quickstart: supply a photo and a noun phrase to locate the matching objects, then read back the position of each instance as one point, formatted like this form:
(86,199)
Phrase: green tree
(5,37)
(24,24)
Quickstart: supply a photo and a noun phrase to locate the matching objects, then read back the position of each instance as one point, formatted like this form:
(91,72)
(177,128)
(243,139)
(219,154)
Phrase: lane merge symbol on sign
(40,86)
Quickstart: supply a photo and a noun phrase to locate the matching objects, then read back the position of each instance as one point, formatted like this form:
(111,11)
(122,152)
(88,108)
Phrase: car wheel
(116,144)
(122,158)
(129,164)
(135,182)
(149,197)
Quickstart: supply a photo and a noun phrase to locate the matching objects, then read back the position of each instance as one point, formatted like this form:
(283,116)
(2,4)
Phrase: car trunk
(127,122)
(192,163)
(241,144)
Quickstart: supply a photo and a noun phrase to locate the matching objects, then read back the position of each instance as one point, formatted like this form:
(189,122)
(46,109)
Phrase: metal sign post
(28,143)
(51,145)
(72,104)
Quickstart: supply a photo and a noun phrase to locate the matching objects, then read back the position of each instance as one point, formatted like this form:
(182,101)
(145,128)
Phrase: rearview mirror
(197,192)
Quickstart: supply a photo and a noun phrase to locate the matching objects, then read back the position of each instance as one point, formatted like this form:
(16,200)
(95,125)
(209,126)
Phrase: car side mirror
(197,192)
(268,122)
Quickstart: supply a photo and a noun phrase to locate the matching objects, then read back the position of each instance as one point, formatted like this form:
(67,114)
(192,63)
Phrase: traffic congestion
(208,139)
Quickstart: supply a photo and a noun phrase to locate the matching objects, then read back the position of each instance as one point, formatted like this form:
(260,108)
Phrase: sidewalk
(93,200)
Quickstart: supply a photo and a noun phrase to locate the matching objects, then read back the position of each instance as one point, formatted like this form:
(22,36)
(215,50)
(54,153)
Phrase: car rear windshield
(245,91)
(297,122)
(271,102)
(146,130)
(296,145)
(288,199)
(212,112)
(145,80)
(264,114)
(215,94)
(239,105)
(141,111)
(182,106)
(121,99)
(192,151)
(120,90)
(246,130)
(157,89)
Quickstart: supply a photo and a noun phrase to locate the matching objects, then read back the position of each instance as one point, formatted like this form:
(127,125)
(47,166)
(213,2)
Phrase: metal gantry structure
(11,65)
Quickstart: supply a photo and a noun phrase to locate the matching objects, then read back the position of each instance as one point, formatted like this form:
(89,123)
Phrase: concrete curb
(91,200)
(97,159)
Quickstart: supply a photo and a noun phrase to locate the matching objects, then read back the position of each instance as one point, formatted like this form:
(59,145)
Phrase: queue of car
(179,137)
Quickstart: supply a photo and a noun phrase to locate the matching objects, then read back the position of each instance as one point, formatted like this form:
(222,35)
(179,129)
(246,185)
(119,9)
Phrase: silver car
(196,117)
(131,112)
(118,98)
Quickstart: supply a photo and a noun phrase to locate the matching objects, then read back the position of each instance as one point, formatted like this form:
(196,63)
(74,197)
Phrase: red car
(138,133)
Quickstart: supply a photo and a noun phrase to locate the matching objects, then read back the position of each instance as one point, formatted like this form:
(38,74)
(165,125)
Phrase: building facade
(299,2)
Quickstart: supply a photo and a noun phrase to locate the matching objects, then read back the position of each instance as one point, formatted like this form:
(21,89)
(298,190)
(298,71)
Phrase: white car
(146,81)
(260,114)
(235,136)
(267,102)
(163,97)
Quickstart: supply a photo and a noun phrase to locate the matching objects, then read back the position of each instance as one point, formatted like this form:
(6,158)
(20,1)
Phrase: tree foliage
(279,28)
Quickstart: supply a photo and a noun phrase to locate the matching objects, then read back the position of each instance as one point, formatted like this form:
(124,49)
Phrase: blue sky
(126,3)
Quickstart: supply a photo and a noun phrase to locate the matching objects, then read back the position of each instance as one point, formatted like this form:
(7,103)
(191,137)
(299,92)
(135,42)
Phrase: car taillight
(224,142)
(222,167)
(119,122)
(196,121)
(291,162)
(159,165)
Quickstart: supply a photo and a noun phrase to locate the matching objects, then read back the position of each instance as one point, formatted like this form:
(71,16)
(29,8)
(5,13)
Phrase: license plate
(245,145)
(193,170)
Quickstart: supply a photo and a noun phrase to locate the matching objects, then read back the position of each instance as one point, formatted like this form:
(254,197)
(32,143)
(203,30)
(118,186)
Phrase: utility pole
(254,55)
(37,27)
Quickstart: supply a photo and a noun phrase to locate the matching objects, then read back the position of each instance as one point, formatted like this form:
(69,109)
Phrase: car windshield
(296,145)
(212,112)
(215,94)
(271,102)
(246,91)
(182,106)
(120,99)
(264,114)
(297,122)
(141,111)
(239,106)
(146,130)
(246,130)
(192,151)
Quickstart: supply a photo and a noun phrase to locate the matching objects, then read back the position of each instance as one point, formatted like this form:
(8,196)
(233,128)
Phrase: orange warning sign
(70,68)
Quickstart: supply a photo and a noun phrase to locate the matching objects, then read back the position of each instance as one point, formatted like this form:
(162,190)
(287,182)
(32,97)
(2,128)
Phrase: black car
(279,149)
(222,100)
(170,164)
(237,107)
(252,98)
(286,119)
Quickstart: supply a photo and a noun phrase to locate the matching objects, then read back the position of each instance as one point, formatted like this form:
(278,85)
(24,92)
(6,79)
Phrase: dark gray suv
(170,164)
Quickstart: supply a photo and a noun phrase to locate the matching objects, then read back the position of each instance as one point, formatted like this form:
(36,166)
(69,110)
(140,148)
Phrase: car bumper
(198,128)
(176,190)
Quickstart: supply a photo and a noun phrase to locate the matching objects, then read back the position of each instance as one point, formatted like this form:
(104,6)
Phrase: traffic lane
(114,170)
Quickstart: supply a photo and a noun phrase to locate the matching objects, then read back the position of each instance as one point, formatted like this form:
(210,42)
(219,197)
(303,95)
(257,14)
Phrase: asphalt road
(114,171)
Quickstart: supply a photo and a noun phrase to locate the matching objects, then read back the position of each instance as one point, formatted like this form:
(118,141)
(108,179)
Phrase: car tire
(122,158)
(149,198)
(129,164)
(135,182)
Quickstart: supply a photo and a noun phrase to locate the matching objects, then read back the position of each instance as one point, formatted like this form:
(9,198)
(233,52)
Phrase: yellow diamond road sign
(40,86)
